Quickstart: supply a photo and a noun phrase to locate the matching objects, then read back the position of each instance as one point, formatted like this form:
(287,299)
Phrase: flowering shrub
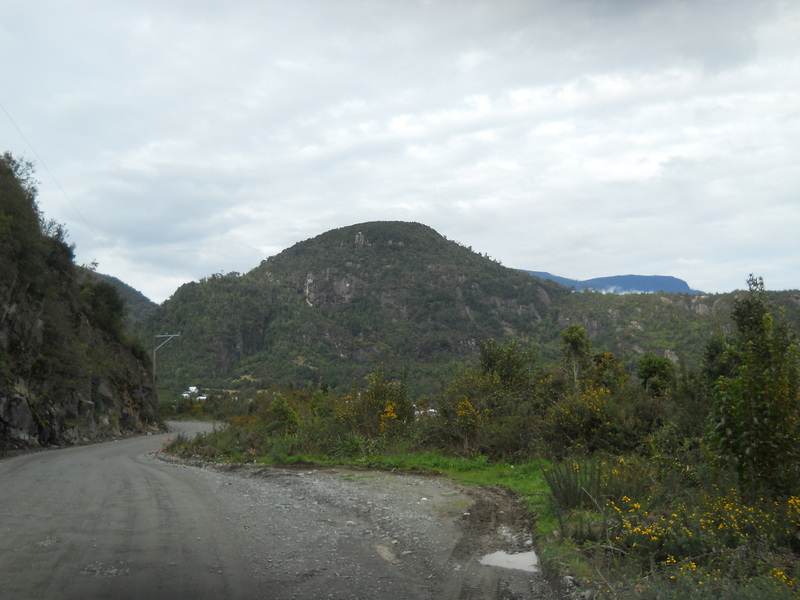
(388,416)
(718,539)
(616,511)
(580,420)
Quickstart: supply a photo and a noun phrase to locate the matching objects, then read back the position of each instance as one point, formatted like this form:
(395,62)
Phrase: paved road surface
(110,521)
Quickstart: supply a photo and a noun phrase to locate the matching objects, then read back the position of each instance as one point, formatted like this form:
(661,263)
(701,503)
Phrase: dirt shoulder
(431,530)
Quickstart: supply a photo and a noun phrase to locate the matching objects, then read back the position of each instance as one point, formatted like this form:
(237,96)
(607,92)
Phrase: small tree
(507,373)
(657,374)
(280,416)
(606,372)
(105,307)
(491,406)
(383,406)
(754,420)
(576,351)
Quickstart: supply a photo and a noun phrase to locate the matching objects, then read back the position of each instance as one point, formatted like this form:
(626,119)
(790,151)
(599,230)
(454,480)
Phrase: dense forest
(329,310)
(69,370)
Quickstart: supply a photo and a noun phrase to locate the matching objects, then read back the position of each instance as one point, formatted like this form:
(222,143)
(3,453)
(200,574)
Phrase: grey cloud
(245,127)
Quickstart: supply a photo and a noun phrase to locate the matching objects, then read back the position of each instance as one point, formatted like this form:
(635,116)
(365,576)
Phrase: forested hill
(138,305)
(68,370)
(330,309)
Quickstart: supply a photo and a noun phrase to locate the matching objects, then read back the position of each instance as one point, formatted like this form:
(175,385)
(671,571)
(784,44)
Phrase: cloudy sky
(177,139)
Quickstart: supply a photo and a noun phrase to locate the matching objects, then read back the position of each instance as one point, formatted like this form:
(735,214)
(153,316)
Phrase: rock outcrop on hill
(68,371)
(331,309)
(105,392)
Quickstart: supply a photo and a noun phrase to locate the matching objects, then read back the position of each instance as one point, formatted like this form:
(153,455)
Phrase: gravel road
(119,520)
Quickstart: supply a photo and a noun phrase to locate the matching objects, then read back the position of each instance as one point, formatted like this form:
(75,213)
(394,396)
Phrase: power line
(41,161)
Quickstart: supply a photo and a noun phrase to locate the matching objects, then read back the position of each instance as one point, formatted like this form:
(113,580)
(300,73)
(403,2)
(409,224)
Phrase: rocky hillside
(68,371)
(329,309)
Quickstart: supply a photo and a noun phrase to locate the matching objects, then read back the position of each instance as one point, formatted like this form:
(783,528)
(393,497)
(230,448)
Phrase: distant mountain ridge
(624,284)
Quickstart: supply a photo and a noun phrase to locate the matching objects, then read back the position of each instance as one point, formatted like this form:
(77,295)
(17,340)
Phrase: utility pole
(169,336)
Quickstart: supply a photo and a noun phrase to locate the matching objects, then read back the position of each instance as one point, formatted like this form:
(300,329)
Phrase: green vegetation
(755,425)
(663,485)
(137,306)
(330,310)
(65,354)
(655,437)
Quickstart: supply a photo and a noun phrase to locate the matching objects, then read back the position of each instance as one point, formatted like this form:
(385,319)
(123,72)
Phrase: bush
(280,418)
(755,421)
(592,483)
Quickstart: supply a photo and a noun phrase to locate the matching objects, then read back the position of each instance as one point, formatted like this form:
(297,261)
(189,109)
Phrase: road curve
(104,521)
(110,521)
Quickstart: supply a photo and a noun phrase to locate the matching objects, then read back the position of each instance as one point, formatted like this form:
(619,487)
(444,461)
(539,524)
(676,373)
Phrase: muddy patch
(522,561)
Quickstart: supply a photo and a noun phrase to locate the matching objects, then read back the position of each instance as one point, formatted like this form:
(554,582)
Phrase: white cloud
(585,138)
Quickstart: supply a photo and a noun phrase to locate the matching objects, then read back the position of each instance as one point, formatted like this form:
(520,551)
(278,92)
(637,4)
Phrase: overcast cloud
(586,138)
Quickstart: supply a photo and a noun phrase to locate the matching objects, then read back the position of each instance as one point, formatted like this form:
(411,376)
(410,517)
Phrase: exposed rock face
(330,309)
(106,392)
(68,371)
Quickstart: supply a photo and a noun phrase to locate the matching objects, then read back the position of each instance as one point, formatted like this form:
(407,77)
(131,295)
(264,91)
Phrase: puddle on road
(524,561)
